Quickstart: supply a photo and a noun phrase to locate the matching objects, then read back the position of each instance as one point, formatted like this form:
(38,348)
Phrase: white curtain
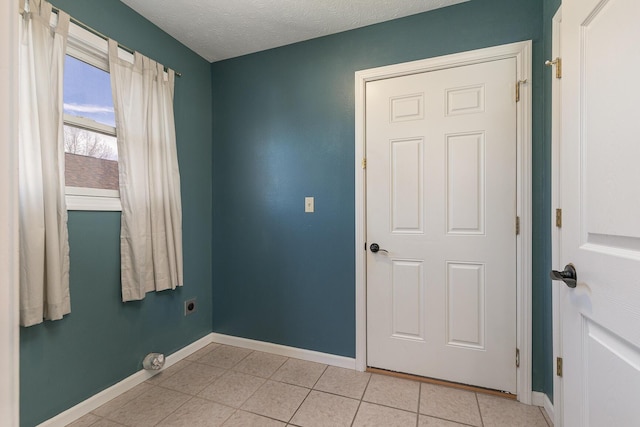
(44,246)
(151,227)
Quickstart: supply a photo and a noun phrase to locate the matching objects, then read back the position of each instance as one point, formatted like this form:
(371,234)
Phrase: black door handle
(569,276)
(376,248)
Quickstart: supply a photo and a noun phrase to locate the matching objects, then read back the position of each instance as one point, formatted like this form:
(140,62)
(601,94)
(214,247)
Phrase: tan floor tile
(299,372)
(394,392)
(106,423)
(260,364)
(276,400)
(85,421)
(500,412)
(425,421)
(167,398)
(198,413)
(121,400)
(325,410)
(149,408)
(370,415)
(192,379)
(232,389)
(167,372)
(247,419)
(225,356)
(345,382)
(450,404)
(202,352)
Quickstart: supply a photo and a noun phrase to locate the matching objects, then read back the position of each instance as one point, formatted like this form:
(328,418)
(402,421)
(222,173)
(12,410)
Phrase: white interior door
(600,193)
(441,205)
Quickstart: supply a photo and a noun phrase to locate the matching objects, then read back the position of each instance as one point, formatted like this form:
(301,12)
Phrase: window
(91,152)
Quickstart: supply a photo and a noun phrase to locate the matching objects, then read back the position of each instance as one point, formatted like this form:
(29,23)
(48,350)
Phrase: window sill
(100,200)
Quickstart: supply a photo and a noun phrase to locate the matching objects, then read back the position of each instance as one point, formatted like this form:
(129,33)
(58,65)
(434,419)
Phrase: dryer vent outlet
(189,306)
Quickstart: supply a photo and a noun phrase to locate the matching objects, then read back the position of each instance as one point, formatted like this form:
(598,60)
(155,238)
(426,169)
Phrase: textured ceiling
(221,29)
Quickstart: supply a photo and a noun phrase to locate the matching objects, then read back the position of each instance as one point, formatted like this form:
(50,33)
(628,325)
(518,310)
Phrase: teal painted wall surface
(104,340)
(284,129)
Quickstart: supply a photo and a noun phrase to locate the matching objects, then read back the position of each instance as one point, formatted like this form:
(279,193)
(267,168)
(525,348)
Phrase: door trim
(9,330)
(556,117)
(521,51)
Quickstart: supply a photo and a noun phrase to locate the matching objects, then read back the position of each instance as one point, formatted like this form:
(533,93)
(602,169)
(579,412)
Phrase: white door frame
(9,330)
(556,117)
(521,51)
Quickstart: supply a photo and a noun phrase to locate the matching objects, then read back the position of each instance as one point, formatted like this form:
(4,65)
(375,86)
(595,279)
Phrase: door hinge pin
(559,366)
(517,225)
(558,218)
(558,63)
(364,163)
(518,84)
(517,357)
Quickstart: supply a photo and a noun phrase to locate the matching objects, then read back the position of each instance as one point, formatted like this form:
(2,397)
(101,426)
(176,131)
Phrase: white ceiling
(221,29)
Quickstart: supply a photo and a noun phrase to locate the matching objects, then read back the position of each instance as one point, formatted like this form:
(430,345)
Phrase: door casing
(9,305)
(556,411)
(521,51)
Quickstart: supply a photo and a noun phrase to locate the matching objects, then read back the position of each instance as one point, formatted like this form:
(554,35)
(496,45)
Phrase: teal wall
(284,129)
(104,340)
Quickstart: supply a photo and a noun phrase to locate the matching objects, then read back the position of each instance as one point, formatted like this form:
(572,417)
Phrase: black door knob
(374,247)
(569,275)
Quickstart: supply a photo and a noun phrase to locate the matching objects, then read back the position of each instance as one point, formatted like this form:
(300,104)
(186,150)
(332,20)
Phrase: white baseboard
(97,400)
(542,400)
(283,350)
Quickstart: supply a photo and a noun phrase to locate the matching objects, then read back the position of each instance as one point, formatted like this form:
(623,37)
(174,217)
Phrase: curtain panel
(44,245)
(151,225)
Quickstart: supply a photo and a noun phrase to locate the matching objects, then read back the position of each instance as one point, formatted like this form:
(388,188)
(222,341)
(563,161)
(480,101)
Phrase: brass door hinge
(559,366)
(517,225)
(558,218)
(518,84)
(517,357)
(558,63)
(364,163)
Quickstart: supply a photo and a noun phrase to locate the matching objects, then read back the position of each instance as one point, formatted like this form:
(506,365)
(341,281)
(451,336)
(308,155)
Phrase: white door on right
(600,196)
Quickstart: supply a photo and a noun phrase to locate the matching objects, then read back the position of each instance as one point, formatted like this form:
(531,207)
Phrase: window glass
(90,145)
(87,92)
(91,159)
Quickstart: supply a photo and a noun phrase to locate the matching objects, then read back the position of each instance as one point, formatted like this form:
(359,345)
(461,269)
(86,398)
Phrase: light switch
(308,204)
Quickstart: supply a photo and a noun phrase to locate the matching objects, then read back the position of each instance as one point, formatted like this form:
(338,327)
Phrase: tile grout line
(479,410)
(360,400)
(252,394)
(303,400)
(266,380)
(172,412)
(191,397)
(313,387)
(418,411)
(543,411)
(299,406)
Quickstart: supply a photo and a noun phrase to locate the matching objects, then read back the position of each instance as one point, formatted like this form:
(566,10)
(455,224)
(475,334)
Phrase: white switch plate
(308,204)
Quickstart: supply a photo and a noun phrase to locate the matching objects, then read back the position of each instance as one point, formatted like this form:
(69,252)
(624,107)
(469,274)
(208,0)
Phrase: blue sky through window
(87,92)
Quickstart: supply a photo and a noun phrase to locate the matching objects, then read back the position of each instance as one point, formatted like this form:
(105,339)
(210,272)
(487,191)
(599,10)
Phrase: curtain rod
(102,36)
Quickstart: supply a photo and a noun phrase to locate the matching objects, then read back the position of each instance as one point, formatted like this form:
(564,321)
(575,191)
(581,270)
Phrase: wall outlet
(189,306)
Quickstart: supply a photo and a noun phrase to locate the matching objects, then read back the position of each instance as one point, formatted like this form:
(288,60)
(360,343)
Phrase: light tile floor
(234,387)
